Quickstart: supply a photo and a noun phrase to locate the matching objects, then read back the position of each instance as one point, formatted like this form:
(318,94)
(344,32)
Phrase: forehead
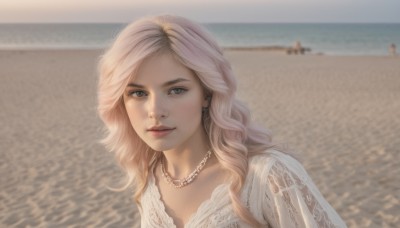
(160,68)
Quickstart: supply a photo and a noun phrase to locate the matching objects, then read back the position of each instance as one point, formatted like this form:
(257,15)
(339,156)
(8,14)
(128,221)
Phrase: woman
(167,96)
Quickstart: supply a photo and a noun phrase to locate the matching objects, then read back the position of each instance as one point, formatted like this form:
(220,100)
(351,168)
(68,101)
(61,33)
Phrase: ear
(206,101)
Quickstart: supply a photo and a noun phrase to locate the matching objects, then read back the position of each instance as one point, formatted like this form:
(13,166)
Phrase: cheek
(135,114)
(189,110)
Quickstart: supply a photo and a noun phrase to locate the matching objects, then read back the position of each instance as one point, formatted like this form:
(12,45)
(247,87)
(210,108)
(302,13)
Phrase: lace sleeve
(294,199)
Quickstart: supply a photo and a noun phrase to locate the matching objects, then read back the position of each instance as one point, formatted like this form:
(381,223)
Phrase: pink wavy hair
(232,135)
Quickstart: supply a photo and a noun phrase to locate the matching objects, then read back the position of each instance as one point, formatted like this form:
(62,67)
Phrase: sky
(204,11)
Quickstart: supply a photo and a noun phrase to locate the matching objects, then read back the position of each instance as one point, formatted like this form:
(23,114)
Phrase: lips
(160,128)
(160,131)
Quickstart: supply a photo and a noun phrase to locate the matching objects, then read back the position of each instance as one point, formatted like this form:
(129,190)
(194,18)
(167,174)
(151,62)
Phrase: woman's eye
(138,93)
(177,91)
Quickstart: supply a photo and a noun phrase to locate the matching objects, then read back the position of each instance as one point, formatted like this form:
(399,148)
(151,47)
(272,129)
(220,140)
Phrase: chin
(160,146)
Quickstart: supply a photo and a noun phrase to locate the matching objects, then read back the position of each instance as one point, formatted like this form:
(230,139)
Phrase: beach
(339,114)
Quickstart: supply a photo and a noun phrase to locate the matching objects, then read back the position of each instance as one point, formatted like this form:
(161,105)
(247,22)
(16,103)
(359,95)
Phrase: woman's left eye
(177,91)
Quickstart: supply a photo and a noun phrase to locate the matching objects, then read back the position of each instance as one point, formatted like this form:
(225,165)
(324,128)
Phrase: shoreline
(273,50)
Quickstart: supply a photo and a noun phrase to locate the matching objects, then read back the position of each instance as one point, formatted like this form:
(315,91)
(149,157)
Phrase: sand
(341,114)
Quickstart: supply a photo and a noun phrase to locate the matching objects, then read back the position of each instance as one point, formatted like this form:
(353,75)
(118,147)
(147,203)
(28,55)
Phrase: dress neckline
(205,204)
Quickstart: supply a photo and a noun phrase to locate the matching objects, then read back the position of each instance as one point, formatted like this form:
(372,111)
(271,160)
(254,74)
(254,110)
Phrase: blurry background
(337,105)
(364,26)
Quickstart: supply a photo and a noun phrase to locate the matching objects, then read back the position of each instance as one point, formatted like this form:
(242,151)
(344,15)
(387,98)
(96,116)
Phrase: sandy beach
(339,113)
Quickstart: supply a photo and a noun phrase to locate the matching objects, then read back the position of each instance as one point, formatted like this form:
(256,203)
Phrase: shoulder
(272,158)
(277,170)
(287,197)
(268,174)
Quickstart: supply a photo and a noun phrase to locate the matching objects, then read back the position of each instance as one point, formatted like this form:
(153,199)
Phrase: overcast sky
(52,11)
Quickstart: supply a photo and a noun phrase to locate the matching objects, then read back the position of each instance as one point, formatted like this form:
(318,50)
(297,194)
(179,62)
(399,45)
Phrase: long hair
(232,135)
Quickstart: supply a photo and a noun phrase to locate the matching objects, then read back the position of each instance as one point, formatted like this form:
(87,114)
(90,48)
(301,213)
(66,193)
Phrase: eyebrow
(168,83)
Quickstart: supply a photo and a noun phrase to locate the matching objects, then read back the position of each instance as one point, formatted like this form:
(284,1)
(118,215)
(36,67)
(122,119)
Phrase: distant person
(298,49)
(167,96)
(392,49)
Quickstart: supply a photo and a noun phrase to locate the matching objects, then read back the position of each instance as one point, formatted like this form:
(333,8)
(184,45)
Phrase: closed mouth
(160,128)
(160,132)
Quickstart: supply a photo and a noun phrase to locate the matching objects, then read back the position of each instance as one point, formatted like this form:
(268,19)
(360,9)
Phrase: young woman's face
(164,103)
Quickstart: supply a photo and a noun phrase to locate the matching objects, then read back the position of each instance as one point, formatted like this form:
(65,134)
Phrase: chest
(181,204)
(216,211)
(192,207)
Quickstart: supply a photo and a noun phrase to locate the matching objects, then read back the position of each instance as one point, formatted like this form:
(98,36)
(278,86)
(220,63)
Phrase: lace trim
(164,219)
(207,204)
(282,180)
(220,217)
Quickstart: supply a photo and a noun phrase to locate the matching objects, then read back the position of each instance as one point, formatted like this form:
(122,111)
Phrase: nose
(157,108)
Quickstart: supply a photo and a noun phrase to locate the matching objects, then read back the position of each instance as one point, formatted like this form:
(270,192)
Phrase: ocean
(330,39)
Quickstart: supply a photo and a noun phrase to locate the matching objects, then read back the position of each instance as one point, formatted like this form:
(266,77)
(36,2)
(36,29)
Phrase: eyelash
(134,93)
(143,93)
(182,90)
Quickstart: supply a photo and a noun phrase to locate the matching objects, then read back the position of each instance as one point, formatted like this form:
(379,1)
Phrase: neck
(180,162)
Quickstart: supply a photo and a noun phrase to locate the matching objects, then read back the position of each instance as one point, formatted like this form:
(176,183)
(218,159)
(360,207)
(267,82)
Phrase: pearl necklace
(180,183)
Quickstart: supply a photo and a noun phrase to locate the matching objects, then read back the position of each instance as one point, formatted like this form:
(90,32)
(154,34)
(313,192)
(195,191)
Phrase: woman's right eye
(137,93)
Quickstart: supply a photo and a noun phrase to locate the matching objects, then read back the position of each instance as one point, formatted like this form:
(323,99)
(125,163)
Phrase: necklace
(180,183)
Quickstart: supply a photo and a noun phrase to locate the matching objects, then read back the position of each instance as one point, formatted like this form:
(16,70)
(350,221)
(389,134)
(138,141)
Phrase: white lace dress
(278,192)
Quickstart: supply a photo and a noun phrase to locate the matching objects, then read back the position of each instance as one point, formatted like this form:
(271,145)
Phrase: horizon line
(216,22)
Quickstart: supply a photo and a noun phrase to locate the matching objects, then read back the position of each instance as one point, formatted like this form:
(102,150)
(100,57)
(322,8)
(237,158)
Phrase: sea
(329,39)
